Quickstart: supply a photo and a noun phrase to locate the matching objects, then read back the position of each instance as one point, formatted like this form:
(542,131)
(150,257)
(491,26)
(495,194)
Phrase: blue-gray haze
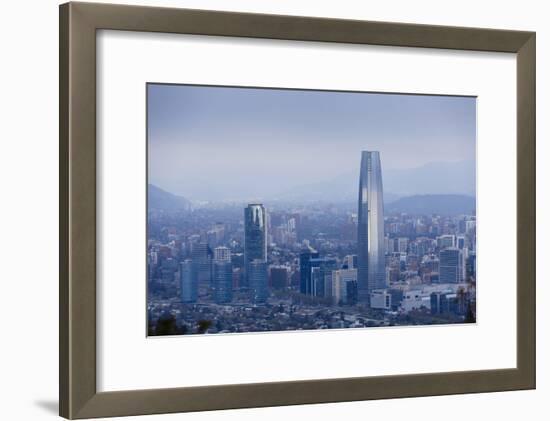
(216,143)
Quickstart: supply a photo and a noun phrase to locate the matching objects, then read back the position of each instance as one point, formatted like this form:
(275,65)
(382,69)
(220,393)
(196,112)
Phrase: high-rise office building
(305,269)
(446,241)
(201,254)
(342,281)
(257,275)
(255,237)
(321,276)
(168,269)
(442,302)
(188,281)
(402,244)
(371,271)
(222,254)
(317,282)
(451,266)
(222,275)
(350,261)
(351,291)
(223,280)
(388,244)
(216,234)
(278,277)
(470,226)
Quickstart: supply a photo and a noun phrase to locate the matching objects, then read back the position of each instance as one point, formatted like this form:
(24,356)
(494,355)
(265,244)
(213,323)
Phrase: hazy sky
(242,143)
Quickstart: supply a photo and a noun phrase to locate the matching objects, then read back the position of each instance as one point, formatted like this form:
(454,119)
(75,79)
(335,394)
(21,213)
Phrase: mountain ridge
(158,198)
(433,178)
(442,204)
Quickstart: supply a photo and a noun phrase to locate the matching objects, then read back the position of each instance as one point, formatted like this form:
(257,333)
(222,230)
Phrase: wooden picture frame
(78,25)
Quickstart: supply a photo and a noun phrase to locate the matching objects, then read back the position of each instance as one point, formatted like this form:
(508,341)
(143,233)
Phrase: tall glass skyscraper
(223,281)
(255,237)
(189,281)
(306,256)
(451,266)
(201,254)
(321,269)
(257,273)
(222,275)
(371,270)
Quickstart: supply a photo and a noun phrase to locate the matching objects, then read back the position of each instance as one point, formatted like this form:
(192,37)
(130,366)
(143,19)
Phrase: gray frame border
(77,217)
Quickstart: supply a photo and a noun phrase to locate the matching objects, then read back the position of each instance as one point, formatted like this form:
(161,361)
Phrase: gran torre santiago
(371,270)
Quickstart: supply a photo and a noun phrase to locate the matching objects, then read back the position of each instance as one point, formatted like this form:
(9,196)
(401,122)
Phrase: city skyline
(301,260)
(368,284)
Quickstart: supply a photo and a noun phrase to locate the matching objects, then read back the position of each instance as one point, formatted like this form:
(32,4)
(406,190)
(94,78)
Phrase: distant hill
(443,204)
(344,188)
(434,178)
(161,199)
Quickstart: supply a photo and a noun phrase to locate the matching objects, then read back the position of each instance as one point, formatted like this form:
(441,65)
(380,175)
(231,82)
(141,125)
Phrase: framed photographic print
(283,210)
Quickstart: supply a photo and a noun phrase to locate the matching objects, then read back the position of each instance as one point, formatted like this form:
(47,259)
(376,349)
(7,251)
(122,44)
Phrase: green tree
(166,325)
(203,325)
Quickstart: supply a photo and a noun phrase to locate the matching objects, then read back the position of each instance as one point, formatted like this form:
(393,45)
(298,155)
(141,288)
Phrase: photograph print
(274,209)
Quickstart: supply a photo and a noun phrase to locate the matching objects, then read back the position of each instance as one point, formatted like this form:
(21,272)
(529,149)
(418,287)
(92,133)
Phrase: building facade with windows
(371,270)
